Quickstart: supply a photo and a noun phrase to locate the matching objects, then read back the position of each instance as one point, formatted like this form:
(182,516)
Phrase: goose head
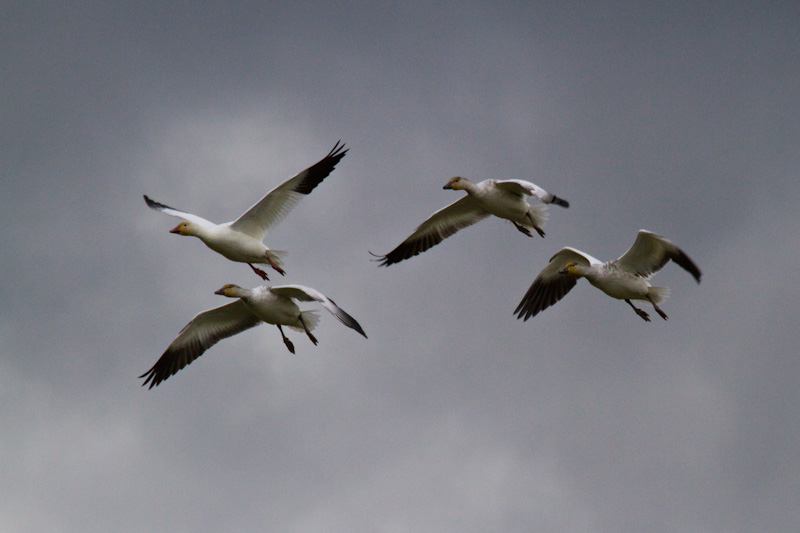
(457,183)
(185,228)
(230,290)
(573,268)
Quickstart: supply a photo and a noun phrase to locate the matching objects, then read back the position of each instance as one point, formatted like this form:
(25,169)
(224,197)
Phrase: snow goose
(273,305)
(504,199)
(243,239)
(625,278)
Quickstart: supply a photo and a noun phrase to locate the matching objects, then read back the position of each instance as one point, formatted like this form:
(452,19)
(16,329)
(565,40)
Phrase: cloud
(453,415)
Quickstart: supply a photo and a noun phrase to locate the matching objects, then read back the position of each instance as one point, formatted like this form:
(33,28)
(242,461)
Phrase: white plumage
(242,240)
(273,305)
(625,278)
(505,199)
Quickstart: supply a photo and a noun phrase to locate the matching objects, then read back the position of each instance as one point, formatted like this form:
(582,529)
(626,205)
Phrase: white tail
(658,294)
(311,318)
(539,213)
(276,256)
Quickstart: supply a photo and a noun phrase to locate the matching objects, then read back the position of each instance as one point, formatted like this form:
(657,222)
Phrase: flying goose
(505,199)
(625,278)
(242,240)
(273,305)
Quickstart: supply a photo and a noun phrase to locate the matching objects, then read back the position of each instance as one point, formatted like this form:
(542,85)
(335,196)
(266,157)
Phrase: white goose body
(268,305)
(502,202)
(614,281)
(234,245)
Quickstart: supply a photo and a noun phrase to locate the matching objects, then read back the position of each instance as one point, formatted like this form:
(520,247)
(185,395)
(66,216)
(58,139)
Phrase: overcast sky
(679,118)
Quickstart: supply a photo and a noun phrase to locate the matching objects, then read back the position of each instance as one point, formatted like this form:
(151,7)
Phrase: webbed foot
(522,229)
(259,272)
(639,312)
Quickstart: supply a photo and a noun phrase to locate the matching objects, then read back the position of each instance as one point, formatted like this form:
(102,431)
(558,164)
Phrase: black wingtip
(687,264)
(384,260)
(349,321)
(560,201)
(150,374)
(322,169)
(337,150)
(522,312)
(152,204)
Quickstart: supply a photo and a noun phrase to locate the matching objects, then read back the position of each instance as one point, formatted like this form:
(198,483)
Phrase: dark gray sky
(453,416)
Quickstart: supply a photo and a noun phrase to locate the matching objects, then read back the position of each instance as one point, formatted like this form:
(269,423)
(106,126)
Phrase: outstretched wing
(201,333)
(522,187)
(152,204)
(550,285)
(650,252)
(273,208)
(307,294)
(440,225)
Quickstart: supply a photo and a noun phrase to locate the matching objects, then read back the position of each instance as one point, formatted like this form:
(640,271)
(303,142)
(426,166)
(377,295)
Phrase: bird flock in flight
(242,240)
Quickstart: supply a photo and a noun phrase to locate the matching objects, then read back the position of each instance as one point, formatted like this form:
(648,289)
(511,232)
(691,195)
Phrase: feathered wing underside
(550,285)
(152,204)
(307,294)
(200,334)
(440,225)
(277,203)
(522,187)
(650,252)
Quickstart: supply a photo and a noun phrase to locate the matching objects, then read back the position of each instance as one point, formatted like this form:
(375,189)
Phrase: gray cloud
(453,415)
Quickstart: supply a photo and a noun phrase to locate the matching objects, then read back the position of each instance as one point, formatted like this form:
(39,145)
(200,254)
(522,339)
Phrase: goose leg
(286,340)
(310,336)
(539,230)
(639,312)
(259,272)
(522,228)
(658,310)
(274,265)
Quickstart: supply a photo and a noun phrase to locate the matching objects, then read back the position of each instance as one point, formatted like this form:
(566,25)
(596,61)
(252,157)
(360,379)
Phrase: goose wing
(307,294)
(650,252)
(152,204)
(440,225)
(550,285)
(200,334)
(273,208)
(522,187)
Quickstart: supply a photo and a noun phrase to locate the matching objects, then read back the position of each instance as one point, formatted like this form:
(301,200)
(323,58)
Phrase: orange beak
(176,229)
